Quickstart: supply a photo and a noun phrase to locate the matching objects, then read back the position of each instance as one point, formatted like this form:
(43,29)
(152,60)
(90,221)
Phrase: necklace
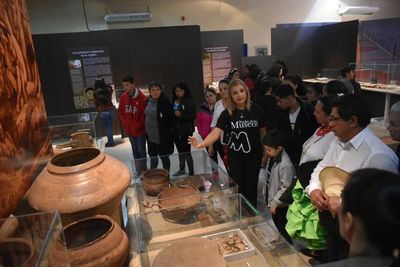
(241,113)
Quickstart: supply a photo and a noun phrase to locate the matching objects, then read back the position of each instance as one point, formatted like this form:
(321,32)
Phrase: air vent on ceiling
(128,17)
(357,10)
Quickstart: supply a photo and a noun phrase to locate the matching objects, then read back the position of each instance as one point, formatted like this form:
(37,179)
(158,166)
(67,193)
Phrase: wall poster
(85,65)
(217,63)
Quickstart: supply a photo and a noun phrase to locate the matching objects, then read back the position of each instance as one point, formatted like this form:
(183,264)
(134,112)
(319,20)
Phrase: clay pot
(17,252)
(80,183)
(94,241)
(178,203)
(154,181)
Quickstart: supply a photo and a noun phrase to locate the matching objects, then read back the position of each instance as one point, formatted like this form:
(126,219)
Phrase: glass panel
(75,130)
(216,216)
(27,238)
(208,176)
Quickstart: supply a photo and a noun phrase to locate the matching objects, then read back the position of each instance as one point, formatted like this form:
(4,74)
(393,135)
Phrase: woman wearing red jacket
(131,108)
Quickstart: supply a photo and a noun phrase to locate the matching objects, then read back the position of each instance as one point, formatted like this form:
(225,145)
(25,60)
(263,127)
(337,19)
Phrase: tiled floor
(123,152)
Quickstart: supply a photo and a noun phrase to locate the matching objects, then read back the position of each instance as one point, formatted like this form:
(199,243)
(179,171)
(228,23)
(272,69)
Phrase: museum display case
(241,235)
(75,131)
(185,212)
(26,240)
(208,177)
(378,75)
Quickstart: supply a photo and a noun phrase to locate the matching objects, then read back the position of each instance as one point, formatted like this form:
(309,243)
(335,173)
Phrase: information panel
(217,63)
(85,65)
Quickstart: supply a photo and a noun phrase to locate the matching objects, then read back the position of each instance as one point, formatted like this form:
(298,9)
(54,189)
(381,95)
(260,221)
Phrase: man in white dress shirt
(355,147)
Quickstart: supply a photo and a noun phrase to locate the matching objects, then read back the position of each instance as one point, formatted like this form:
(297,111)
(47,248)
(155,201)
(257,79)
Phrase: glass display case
(330,73)
(208,177)
(74,131)
(378,75)
(25,240)
(220,217)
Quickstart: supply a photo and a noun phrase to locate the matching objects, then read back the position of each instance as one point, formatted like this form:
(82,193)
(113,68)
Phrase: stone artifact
(154,181)
(95,241)
(81,139)
(195,180)
(78,140)
(231,244)
(178,203)
(80,183)
(8,227)
(193,252)
(17,252)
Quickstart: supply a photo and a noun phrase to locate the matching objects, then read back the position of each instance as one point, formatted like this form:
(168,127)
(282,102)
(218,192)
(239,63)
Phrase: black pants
(337,247)
(154,153)
(244,171)
(280,222)
(218,149)
(183,147)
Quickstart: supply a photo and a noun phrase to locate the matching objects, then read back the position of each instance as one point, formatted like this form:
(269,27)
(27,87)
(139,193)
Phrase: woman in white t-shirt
(220,146)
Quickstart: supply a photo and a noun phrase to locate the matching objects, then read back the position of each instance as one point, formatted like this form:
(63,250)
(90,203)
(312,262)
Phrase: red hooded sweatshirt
(131,111)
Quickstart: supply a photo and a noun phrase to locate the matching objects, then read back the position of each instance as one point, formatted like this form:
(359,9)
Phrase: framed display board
(69,62)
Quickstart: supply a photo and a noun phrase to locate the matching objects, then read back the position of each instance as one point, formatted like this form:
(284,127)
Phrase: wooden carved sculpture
(24,136)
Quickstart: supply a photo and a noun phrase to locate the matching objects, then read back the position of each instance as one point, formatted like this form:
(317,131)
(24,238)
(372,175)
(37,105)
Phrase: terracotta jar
(154,181)
(80,183)
(178,203)
(17,252)
(94,241)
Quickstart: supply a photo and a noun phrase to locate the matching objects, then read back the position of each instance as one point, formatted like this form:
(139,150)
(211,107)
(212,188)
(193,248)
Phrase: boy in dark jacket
(296,121)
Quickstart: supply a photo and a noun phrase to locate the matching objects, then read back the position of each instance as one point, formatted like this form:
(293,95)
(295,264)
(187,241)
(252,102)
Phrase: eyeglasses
(333,119)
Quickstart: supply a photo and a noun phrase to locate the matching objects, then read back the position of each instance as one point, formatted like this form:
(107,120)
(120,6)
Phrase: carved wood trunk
(25,142)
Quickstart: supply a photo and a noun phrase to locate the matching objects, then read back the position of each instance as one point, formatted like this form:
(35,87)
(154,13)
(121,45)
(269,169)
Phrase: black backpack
(103,95)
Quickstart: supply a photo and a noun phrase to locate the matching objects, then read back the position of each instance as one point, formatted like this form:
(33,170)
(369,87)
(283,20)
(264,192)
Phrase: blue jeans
(138,145)
(107,118)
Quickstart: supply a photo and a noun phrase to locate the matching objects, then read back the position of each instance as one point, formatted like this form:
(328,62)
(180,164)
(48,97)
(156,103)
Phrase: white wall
(255,17)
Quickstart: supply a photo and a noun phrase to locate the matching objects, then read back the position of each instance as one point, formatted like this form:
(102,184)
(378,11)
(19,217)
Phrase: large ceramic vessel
(80,183)
(94,241)
(154,181)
